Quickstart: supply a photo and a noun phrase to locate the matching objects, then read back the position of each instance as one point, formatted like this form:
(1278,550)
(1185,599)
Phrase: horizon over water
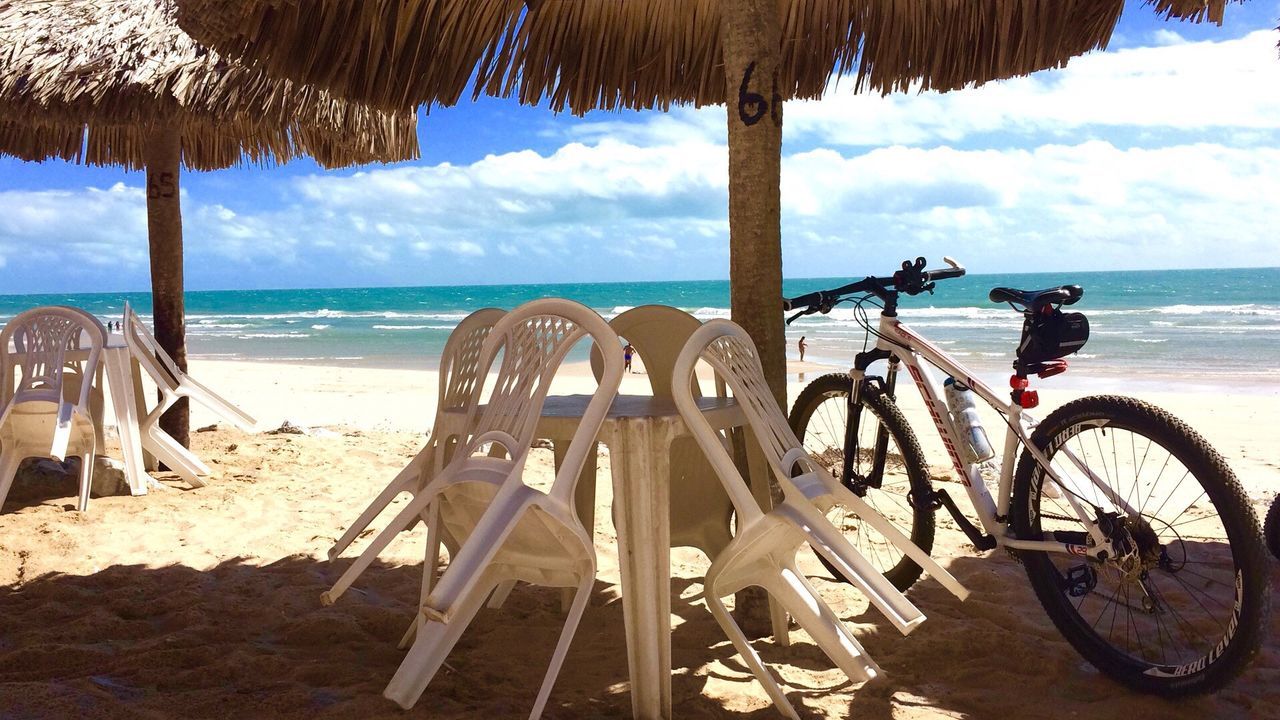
(1207,328)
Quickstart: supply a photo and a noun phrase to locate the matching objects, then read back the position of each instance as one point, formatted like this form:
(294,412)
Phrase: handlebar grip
(945,274)
(799,301)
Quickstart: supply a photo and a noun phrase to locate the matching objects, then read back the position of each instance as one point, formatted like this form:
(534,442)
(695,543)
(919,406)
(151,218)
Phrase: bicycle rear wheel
(1271,528)
(1182,610)
(818,418)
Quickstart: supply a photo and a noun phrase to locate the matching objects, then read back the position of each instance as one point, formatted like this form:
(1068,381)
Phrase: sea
(1193,329)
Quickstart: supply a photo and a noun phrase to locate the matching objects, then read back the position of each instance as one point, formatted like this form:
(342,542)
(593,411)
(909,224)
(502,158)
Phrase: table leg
(120,384)
(640,471)
(149,462)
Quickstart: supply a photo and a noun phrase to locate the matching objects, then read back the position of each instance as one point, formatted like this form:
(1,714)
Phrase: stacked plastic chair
(506,530)
(49,411)
(460,380)
(173,384)
(763,551)
(701,514)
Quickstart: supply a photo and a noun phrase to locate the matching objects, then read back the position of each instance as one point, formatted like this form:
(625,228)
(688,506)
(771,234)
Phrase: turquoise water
(1212,327)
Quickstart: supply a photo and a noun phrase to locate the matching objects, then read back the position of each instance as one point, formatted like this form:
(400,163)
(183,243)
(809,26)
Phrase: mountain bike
(1133,531)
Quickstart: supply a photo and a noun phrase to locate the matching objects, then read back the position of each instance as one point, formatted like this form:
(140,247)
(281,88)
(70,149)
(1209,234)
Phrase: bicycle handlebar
(912,279)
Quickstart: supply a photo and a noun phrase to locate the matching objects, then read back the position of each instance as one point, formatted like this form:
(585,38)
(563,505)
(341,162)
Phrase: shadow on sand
(245,640)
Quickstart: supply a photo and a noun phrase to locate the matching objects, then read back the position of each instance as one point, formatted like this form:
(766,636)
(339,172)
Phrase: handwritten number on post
(161,185)
(751,106)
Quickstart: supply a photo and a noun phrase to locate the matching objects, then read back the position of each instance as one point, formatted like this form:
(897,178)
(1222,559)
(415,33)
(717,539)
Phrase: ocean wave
(1151,340)
(1252,309)
(1230,328)
(321,327)
(327,314)
(257,336)
(401,327)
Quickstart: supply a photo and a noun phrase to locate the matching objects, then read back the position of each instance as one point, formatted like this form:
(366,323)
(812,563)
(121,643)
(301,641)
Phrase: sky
(1161,152)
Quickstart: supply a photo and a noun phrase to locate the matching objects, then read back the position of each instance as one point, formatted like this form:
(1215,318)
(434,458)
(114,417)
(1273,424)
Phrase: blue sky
(1162,152)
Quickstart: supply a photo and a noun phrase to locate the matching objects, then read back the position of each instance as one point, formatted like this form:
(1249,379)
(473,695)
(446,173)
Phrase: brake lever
(793,318)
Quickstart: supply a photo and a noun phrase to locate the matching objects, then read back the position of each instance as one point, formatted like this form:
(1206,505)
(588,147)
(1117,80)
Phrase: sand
(205,603)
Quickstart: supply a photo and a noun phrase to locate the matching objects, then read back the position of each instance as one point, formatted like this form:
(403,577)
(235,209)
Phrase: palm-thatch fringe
(586,54)
(88,80)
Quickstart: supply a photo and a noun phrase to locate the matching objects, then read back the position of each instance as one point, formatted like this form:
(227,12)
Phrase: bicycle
(1161,587)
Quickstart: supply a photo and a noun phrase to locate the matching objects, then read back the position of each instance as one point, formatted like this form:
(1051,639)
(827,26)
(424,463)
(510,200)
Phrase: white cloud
(1187,87)
(466,248)
(1150,157)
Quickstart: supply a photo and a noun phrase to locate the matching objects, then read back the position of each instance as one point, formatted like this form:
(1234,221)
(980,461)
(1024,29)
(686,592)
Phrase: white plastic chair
(173,384)
(763,551)
(509,531)
(459,382)
(49,411)
(701,513)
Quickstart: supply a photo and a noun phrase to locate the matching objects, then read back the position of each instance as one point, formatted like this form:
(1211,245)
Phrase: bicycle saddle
(1036,299)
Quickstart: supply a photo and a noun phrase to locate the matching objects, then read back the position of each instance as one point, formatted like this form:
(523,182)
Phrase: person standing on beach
(802,347)
(627,352)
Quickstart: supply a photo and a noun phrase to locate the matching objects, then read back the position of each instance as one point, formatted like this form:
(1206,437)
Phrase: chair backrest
(460,361)
(144,348)
(534,339)
(658,333)
(727,348)
(40,339)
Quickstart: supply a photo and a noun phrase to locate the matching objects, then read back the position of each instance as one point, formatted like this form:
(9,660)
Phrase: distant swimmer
(802,347)
(627,352)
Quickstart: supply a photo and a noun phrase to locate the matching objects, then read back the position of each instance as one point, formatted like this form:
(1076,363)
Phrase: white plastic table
(639,431)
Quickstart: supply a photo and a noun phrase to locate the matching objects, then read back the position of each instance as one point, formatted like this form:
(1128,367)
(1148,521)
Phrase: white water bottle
(964,417)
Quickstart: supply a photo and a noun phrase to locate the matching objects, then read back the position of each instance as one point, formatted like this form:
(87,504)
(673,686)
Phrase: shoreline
(1084,375)
(1239,423)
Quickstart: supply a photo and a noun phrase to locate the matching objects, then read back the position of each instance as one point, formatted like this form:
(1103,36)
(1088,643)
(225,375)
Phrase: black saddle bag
(1049,336)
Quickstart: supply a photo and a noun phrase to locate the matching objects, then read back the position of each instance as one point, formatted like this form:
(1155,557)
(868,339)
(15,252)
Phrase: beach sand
(205,603)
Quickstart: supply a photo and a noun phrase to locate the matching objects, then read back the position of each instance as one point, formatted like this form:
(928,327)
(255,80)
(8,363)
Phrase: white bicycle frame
(913,351)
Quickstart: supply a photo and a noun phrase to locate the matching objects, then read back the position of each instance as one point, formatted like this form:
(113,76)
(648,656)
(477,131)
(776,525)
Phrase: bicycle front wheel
(1180,608)
(818,418)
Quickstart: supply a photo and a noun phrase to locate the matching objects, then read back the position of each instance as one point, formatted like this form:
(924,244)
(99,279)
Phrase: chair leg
(404,520)
(9,460)
(780,623)
(580,598)
(401,483)
(431,646)
(748,653)
(430,567)
(500,593)
(86,479)
(811,613)
(177,458)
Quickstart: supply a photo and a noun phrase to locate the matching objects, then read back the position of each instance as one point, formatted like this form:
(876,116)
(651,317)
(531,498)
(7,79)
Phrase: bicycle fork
(860,383)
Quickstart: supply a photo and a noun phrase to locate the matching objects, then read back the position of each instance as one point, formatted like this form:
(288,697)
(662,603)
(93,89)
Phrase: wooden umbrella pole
(164,233)
(752,38)
(752,34)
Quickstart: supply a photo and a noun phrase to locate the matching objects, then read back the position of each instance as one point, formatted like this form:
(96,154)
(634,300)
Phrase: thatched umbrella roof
(117,82)
(604,54)
(86,80)
(749,54)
